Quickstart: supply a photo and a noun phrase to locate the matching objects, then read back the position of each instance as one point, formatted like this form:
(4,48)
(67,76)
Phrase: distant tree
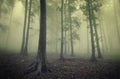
(88,3)
(70,21)
(96,31)
(62,8)
(24,29)
(28,28)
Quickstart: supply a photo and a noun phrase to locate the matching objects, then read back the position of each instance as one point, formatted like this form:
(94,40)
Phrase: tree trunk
(101,33)
(87,36)
(71,36)
(65,11)
(28,28)
(24,29)
(61,55)
(0,10)
(93,58)
(42,37)
(40,64)
(96,35)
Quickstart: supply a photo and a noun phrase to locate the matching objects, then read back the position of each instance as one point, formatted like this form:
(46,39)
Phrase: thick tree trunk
(61,55)
(40,64)
(42,37)
(71,35)
(28,28)
(93,58)
(24,29)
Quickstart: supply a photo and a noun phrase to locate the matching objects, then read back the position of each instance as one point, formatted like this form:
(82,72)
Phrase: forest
(59,39)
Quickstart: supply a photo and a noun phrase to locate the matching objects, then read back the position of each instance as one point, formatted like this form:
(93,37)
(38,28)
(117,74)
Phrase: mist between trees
(76,31)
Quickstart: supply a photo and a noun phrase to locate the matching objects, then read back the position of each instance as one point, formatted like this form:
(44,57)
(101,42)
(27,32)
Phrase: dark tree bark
(24,29)
(42,36)
(61,55)
(71,35)
(93,58)
(28,28)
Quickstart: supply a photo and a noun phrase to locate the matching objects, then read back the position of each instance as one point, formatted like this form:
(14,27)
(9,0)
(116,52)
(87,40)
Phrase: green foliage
(96,6)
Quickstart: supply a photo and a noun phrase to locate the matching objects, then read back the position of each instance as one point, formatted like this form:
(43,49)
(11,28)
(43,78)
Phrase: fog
(11,37)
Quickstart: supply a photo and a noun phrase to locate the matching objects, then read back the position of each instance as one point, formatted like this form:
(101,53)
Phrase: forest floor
(12,66)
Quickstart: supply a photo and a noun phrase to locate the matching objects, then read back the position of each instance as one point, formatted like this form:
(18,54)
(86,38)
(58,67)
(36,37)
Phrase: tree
(61,55)
(42,37)
(93,58)
(70,21)
(28,28)
(96,34)
(24,29)
(40,64)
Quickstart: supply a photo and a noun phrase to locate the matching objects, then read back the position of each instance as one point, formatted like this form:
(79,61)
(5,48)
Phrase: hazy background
(11,37)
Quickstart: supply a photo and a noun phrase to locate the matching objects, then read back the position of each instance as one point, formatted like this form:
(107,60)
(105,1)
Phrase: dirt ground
(13,66)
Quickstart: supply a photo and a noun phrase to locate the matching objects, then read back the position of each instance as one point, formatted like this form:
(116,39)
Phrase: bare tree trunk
(71,35)
(101,33)
(42,37)
(28,28)
(93,58)
(40,65)
(88,36)
(24,29)
(65,11)
(61,55)
(96,36)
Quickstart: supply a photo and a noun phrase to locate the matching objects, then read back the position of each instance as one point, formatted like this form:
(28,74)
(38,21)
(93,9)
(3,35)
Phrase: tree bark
(42,37)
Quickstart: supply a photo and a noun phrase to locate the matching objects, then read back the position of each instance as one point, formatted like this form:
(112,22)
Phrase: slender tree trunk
(93,58)
(42,37)
(71,36)
(96,36)
(24,29)
(65,11)
(28,28)
(61,55)
(101,33)
(88,36)
(0,10)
